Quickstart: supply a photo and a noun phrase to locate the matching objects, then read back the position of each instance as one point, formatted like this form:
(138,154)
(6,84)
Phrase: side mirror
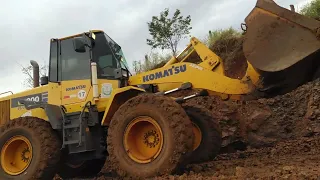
(121,73)
(79,44)
(44,80)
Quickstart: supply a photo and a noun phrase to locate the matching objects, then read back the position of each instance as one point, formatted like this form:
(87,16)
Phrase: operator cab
(71,57)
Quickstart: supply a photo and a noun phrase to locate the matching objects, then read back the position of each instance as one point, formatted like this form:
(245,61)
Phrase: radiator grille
(4,111)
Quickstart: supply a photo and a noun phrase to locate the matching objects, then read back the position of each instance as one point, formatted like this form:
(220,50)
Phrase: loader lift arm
(184,72)
(197,59)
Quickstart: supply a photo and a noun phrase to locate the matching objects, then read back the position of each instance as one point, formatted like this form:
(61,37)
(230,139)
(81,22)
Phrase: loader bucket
(277,38)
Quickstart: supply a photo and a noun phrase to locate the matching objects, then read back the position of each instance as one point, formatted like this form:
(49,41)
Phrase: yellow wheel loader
(90,107)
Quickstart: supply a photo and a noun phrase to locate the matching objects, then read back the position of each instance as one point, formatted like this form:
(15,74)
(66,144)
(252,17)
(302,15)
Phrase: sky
(27,26)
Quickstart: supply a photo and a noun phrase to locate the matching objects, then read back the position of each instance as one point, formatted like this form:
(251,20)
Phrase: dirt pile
(231,53)
(263,122)
(289,116)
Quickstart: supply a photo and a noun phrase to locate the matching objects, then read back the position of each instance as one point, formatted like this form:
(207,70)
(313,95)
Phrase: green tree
(312,9)
(166,32)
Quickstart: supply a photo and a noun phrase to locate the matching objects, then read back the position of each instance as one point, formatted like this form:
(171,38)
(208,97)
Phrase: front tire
(149,135)
(30,149)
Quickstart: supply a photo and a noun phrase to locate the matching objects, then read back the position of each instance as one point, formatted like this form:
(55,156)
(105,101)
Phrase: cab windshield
(108,56)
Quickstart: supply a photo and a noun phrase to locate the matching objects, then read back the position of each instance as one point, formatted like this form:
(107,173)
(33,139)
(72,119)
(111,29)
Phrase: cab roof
(76,35)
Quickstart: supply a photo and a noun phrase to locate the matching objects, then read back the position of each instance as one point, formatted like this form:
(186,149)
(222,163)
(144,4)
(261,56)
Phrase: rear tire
(145,117)
(210,136)
(35,142)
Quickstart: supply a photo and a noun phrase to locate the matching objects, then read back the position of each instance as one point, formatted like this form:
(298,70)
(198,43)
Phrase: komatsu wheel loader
(90,107)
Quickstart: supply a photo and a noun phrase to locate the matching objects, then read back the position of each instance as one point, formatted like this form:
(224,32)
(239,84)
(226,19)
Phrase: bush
(221,34)
(312,9)
(227,44)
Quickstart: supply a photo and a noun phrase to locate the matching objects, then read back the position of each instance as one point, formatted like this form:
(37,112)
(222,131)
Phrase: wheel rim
(143,139)
(16,155)
(197,136)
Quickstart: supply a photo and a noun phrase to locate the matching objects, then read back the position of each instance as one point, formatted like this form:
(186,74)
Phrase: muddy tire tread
(178,122)
(49,140)
(214,141)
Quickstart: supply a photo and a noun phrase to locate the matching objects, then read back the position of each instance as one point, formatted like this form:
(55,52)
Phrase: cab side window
(74,65)
(53,71)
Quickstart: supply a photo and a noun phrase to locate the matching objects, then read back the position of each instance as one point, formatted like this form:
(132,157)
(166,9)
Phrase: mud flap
(277,38)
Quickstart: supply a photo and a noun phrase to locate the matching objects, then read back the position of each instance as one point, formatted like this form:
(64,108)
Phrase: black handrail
(6,93)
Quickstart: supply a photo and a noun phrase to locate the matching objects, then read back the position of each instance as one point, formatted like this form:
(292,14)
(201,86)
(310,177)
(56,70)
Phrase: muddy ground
(293,159)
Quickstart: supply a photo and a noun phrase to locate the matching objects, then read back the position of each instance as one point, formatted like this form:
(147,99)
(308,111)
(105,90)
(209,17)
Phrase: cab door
(54,89)
(75,75)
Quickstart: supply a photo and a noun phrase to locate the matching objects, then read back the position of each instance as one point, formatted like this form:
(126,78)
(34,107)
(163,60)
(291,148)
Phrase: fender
(53,112)
(117,98)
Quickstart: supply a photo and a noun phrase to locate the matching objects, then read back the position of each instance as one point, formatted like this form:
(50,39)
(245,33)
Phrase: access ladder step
(70,126)
(71,142)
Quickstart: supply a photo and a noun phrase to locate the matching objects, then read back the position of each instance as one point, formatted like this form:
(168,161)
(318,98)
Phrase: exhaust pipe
(36,71)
